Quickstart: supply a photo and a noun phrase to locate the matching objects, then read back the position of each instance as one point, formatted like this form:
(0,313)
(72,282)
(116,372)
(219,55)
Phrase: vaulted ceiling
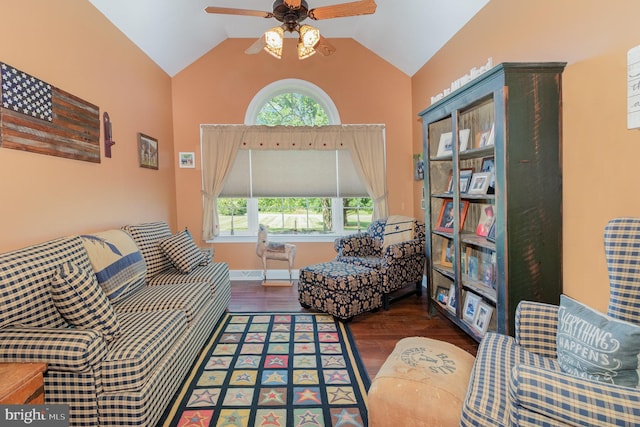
(174,33)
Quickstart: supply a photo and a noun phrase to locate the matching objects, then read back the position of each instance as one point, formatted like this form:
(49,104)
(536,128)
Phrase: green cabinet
(493,182)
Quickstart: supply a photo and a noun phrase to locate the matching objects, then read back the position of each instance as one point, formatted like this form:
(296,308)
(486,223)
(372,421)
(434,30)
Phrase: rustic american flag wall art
(40,118)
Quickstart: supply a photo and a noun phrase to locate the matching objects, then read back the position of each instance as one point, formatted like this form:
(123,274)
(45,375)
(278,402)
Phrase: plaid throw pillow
(82,302)
(181,250)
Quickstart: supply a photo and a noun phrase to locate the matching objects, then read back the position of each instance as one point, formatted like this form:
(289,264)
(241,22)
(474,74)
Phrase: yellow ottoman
(423,382)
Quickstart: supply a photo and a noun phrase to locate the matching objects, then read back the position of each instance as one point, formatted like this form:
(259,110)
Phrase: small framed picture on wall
(187,160)
(147,151)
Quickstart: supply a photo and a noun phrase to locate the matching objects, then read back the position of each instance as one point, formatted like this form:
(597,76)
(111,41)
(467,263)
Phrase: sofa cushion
(595,346)
(187,297)
(182,251)
(80,299)
(146,338)
(216,274)
(32,305)
(146,237)
(363,261)
(117,262)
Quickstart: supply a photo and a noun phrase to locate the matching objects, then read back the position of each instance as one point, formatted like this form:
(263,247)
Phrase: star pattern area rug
(274,369)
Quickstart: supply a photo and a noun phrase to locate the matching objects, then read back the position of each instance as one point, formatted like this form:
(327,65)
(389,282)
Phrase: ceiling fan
(291,13)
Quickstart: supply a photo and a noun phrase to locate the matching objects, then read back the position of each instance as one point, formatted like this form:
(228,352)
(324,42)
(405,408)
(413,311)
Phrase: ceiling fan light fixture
(274,39)
(305,52)
(309,36)
(309,39)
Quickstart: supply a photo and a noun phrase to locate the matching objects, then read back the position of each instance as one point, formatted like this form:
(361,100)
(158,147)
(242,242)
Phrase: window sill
(283,238)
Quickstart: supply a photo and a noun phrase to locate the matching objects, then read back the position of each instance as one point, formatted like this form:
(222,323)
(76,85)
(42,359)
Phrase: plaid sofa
(117,350)
(399,264)
(519,381)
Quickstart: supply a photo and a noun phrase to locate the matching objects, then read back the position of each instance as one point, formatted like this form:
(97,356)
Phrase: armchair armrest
(536,326)
(560,399)
(72,350)
(404,249)
(356,245)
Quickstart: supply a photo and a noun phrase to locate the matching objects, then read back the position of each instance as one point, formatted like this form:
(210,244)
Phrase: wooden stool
(422,383)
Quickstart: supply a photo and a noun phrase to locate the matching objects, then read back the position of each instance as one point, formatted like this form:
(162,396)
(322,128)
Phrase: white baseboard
(257,274)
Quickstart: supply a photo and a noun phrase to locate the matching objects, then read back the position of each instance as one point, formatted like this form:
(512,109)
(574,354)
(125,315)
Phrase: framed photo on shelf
(482,317)
(445,219)
(470,307)
(465,179)
(489,165)
(487,218)
(447,253)
(445,146)
(147,151)
(486,137)
(479,183)
(486,273)
(472,267)
(463,136)
(491,235)
(442,294)
(464,256)
(451,301)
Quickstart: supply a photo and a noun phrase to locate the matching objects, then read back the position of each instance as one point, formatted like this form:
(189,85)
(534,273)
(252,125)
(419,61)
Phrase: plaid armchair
(400,263)
(519,381)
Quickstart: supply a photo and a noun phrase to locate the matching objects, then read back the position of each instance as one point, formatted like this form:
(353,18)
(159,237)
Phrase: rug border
(364,381)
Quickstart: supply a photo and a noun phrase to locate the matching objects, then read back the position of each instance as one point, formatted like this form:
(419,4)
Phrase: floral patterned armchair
(394,246)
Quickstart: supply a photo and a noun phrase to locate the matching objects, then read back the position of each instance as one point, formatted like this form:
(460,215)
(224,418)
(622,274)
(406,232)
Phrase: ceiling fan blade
(242,12)
(256,47)
(362,7)
(324,47)
(293,4)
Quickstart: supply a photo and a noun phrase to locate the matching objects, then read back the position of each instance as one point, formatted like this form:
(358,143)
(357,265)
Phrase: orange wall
(77,50)
(600,155)
(219,87)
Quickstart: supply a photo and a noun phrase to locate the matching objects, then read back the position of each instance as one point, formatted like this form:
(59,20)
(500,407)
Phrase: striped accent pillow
(82,302)
(182,251)
(117,262)
(398,229)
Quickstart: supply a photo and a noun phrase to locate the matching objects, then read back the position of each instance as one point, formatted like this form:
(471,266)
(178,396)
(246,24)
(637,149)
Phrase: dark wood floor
(375,333)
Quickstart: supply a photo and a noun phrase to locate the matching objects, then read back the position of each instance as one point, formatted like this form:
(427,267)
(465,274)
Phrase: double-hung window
(293,192)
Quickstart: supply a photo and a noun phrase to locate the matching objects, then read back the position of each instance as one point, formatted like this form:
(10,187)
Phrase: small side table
(22,383)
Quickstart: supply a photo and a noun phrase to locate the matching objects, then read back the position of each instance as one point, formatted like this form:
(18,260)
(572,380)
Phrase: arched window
(329,197)
(300,88)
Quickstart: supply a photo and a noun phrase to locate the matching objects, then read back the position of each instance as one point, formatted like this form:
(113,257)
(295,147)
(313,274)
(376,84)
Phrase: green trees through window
(292,109)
